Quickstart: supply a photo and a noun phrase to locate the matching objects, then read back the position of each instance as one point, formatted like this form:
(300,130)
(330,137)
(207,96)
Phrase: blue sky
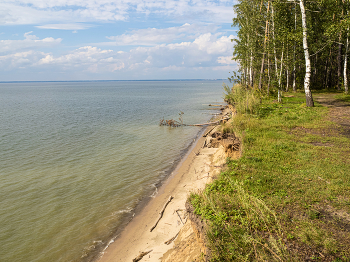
(46,40)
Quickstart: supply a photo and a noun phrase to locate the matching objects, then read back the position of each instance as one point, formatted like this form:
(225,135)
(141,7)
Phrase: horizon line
(130,80)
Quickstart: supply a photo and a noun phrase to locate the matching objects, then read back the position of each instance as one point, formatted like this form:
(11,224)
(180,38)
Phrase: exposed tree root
(171,239)
(139,257)
(162,212)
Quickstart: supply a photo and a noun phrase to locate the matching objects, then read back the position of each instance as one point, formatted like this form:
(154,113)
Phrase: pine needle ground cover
(288,197)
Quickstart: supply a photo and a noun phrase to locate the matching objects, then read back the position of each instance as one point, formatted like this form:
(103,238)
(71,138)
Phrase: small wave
(108,244)
(154,193)
(123,211)
(90,248)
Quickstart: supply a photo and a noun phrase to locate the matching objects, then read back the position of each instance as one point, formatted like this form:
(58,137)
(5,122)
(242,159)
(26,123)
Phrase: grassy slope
(288,197)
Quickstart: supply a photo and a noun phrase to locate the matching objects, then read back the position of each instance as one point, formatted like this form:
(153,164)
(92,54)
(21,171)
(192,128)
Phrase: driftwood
(179,215)
(171,239)
(170,122)
(161,213)
(204,144)
(207,133)
(202,177)
(215,108)
(174,123)
(139,257)
(206,124)
(216,102)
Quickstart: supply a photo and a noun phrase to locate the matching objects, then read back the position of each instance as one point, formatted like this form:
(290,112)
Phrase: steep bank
(202,164)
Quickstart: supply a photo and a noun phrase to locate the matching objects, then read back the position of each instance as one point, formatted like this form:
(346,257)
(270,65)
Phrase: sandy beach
(198,168)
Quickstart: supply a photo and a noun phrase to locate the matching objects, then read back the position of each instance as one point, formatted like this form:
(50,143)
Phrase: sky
(62,40)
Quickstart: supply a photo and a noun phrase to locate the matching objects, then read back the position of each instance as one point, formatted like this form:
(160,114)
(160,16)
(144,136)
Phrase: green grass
(343,97)
(280,198)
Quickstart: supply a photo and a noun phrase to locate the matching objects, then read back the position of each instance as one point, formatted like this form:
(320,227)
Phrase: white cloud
(29,42)
(203,51)
(206,52)
(225,60)
(43,12)
(72,26)
(20,59)
(153,36)
(85,58)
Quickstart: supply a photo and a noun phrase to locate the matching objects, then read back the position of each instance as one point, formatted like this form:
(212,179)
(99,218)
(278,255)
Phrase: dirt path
(339,111)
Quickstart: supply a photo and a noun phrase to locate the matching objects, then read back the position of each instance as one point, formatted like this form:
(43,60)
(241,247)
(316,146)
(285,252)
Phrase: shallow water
(77,157)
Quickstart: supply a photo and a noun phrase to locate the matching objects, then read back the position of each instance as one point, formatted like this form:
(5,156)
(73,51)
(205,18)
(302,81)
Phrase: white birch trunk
(295,28)
(244,76)
(279,99)
(280,76)
(265,39)
(346,64)
(294,76)
(287,70)
(274,42)
(251,69)
(268,74)
(309,100)
(287,86)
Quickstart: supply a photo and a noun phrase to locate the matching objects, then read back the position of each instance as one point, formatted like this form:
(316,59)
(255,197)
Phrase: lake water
(77,157)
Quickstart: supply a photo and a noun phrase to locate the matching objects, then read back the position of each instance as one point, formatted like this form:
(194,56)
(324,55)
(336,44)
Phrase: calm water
(77,157)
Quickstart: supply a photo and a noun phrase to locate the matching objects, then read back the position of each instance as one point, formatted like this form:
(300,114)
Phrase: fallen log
(170,122)
(171,239)
(215,105)
(207,133)
(214,108)
(139,257)
(179,215)
(205,124)
(161,213)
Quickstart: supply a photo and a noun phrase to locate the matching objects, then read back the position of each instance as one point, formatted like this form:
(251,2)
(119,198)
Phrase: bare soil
(339,111)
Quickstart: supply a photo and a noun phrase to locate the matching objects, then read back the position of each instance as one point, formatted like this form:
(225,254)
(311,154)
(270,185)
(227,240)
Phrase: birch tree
(293,43)
(309,99)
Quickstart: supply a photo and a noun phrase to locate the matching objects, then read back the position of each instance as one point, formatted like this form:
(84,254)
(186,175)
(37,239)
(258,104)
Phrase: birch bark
(339,62)
(280,75)
(251,69)
(263,59)
(346,64)
(339,58)
(274,40)
(308,95)
(295,29)
(287,70)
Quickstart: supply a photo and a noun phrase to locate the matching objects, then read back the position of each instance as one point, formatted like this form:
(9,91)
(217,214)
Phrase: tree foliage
(269,43)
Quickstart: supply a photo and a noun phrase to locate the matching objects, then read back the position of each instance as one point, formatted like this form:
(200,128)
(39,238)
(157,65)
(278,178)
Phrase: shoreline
(95,254)
(192,173)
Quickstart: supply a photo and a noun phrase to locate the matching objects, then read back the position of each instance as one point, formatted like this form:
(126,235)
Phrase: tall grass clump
(245,100)
(241,226)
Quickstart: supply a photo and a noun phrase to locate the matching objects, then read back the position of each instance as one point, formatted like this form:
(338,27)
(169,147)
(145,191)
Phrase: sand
(198,168)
